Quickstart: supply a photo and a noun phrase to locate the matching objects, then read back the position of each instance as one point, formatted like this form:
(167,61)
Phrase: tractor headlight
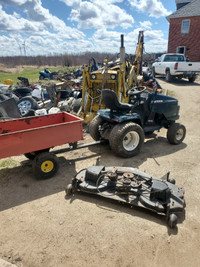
(113,77)
(93,77)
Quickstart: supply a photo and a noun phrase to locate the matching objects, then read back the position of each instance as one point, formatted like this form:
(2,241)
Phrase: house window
(185,26)
(180,50)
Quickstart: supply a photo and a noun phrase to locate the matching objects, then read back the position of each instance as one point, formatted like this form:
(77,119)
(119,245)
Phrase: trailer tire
(94,127)
(168,76)
(176,133)
(33,154)
(45,165)
(126,139)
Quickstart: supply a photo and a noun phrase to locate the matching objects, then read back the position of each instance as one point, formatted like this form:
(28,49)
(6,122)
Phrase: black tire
(192,79)
(32,155)
(126,139)
(94,127)
(153,72)
(77,104)
(172,221)
(41,77)
(168,76)
(25,104)
(45,165)
(176,133)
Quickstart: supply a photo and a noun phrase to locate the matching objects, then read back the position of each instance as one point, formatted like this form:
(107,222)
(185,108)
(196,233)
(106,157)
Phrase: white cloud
(73,3)
(145,24)
(153,7)
(45,33)
(100,14)
(41,22)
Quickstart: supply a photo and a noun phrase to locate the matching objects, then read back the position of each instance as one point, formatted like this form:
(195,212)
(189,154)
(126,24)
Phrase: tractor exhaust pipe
(122,50)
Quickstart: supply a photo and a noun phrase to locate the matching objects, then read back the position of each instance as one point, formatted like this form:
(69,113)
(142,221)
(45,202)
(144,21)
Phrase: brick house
(184,29)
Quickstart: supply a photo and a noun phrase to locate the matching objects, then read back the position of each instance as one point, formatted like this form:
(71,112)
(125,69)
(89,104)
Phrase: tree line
(63,60)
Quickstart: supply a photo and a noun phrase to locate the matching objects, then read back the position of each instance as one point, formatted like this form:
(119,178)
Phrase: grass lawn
(31,74)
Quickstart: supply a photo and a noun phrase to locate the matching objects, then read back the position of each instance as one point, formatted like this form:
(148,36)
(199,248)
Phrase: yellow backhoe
(119,76)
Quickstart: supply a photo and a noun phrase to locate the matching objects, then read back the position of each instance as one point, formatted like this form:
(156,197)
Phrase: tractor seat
(111,101)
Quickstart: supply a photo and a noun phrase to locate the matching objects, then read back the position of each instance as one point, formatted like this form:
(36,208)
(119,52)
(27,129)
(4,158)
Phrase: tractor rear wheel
(176,133)
(94,127)
(126,139)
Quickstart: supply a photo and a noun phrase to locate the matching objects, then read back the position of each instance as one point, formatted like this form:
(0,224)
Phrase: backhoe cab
(119,76)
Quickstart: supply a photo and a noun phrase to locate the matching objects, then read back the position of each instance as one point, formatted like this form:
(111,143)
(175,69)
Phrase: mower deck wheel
(172,220)
(68,190)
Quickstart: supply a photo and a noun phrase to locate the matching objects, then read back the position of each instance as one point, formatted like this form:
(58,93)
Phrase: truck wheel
(127,139)
(172,220)
(168,76)
(176,133)
(45,165)
(192,79)
(94,127)
(153,72)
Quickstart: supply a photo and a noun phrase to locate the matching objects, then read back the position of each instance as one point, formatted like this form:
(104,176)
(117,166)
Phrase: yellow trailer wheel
(45,165)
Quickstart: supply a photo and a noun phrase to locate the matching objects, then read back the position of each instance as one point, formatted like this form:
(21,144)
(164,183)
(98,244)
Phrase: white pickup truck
(175,65)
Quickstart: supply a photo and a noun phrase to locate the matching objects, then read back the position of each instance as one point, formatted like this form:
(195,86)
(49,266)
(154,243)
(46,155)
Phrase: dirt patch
(40,227)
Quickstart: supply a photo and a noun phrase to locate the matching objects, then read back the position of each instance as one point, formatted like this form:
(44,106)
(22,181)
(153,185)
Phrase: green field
(31,74)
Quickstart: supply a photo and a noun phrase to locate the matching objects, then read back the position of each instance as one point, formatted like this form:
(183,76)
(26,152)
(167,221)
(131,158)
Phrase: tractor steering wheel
(136,90)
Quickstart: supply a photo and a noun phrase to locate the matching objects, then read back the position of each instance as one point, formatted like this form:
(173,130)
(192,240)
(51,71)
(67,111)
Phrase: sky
(55,27)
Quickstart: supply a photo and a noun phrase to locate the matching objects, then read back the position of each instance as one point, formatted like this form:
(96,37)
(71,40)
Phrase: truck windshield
(174,58)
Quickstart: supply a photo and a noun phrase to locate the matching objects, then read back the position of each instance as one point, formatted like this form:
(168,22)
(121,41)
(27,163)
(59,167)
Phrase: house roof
(190,10)
(183,1)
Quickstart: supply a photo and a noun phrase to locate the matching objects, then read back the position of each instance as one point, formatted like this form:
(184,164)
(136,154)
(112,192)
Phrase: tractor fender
(119,117)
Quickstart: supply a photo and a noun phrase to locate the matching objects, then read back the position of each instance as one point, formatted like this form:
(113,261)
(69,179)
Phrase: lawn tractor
(126,124)
(119,76)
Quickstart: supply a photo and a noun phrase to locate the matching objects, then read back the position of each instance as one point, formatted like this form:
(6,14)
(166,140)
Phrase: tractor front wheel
(176,133)
(127,139)
(45,165)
